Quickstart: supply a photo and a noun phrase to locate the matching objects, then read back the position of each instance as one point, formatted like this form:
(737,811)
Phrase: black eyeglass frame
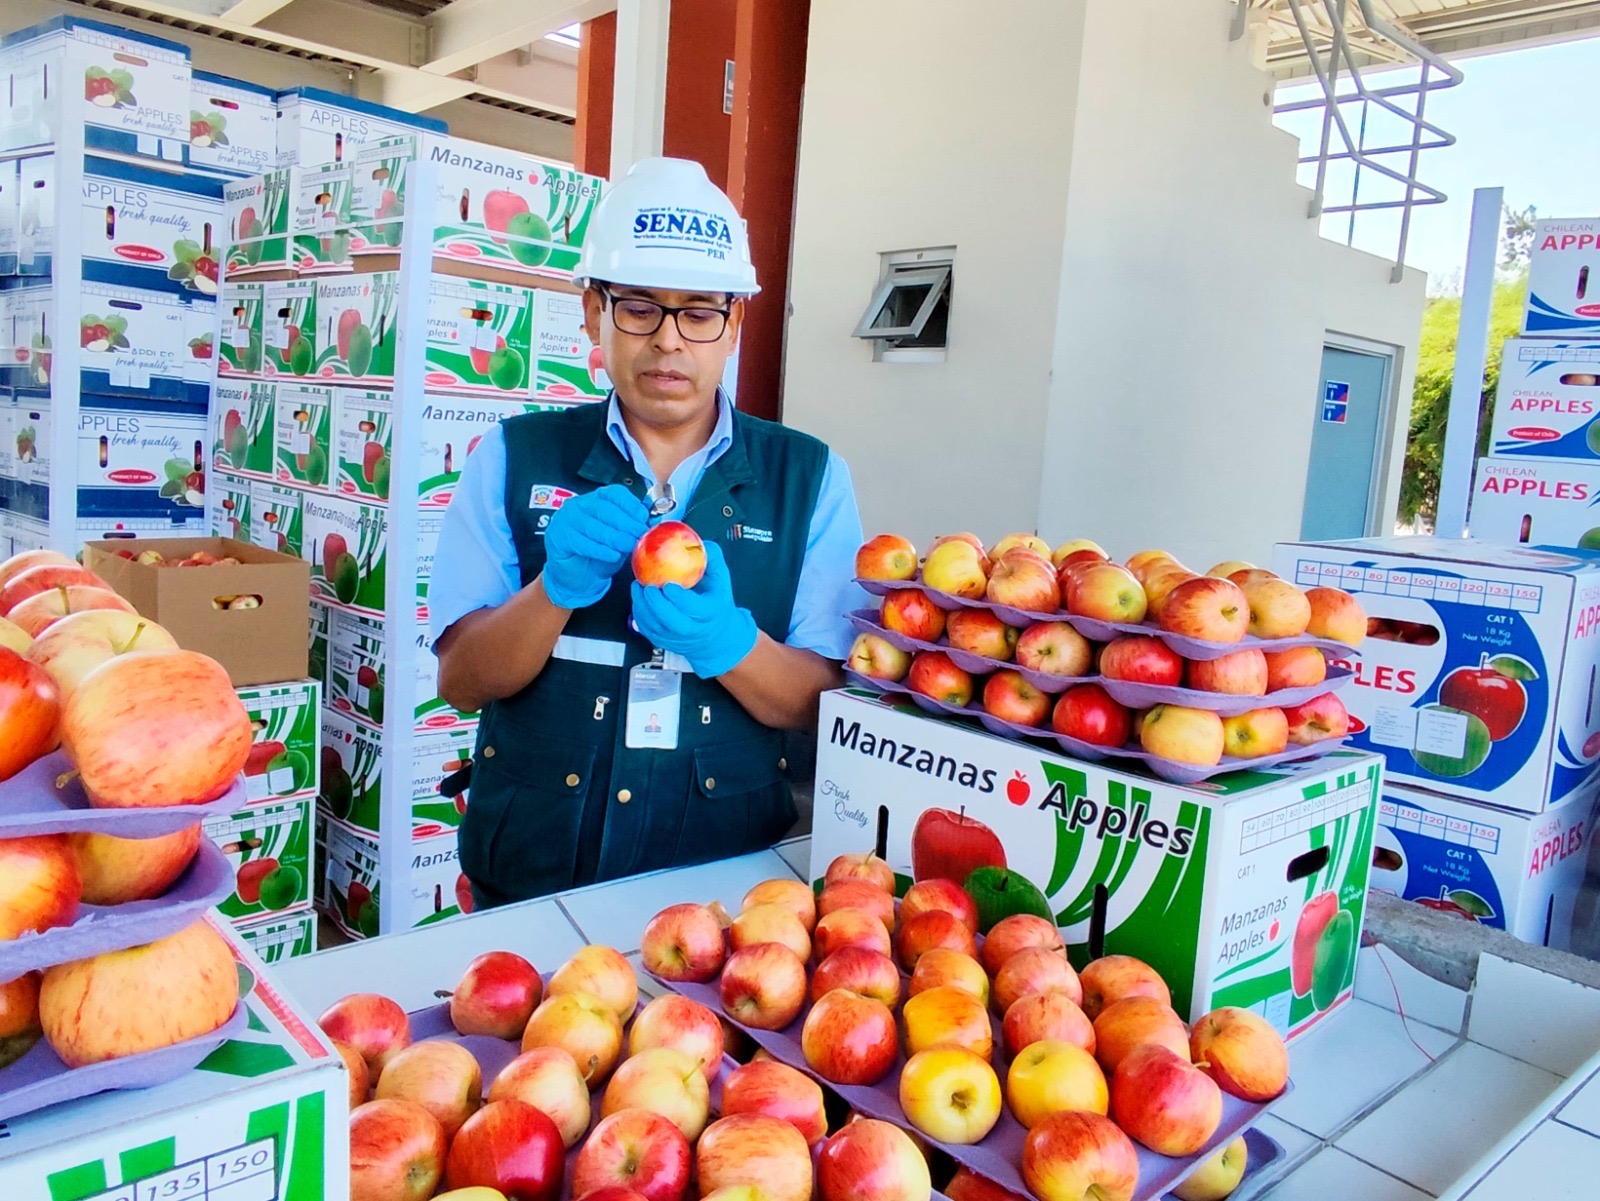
(663,312)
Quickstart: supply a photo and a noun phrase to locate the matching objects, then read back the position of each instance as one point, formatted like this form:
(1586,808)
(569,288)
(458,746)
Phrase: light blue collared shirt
(475,566)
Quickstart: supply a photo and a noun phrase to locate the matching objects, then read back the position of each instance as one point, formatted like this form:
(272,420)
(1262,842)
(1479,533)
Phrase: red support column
(700,42)
(770,50)
(597,70)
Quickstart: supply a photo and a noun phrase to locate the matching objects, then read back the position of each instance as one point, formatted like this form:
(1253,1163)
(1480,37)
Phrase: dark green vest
(557,800)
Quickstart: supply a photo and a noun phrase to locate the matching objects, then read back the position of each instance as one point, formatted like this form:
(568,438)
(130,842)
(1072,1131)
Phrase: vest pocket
(739,800)
(520,836)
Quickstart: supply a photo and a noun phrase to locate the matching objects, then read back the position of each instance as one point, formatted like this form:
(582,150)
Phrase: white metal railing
(1331,58)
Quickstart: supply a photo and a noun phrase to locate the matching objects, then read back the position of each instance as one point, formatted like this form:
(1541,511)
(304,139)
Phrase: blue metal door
(1345,445)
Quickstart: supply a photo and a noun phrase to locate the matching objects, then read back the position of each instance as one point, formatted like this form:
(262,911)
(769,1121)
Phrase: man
(539,624)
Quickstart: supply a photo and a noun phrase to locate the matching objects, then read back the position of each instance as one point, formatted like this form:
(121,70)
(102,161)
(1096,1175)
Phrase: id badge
(655,697)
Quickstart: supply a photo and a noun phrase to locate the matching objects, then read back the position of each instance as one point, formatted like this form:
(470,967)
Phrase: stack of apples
(1092,1063)
(143,724)
(1077,584)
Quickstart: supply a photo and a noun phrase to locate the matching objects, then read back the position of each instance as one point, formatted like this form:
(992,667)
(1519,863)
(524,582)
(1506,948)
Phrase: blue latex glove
(588,540)
(703,624)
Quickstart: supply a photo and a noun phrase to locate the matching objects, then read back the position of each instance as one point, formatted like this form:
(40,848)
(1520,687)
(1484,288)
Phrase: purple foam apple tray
(1105,631)
(1124,692)
(998,1156)
(206,882)
(1169,770)
(47,797)
(39,1078)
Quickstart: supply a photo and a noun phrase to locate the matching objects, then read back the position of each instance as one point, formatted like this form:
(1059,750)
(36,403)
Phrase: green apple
(1476,750)
(532,253)
(295,762)
(282,887)
(1336,951)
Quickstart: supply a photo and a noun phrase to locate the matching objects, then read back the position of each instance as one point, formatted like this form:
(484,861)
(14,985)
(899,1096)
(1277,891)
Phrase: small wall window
(908,318)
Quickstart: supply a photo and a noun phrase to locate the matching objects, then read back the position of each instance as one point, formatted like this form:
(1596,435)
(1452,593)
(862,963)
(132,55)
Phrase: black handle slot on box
(1309,864)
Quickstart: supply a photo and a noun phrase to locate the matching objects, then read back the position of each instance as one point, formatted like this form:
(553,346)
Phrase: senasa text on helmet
(693,225)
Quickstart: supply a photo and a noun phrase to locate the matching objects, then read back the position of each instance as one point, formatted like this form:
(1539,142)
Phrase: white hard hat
(668,226)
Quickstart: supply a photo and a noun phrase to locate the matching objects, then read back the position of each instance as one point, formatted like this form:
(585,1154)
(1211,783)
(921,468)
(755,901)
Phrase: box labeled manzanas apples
(1476,674)
(1249,890)
(265,1114)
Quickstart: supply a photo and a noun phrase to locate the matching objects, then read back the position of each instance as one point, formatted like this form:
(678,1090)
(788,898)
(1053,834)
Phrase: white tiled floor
(1430,1133)
(1331,1175)
(1568,1027)
(1554,1163)
(1385,979)
(1356,1057)
(1583,1109)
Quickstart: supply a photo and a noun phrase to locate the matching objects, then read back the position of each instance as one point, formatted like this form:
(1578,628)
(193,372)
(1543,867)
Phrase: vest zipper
(600,703)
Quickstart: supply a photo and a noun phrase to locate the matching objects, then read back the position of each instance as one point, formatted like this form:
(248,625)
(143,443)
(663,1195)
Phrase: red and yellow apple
(1277,609)
(114,870)
(1035,970)
(877,658)
(886,557)
(547,1079)
(933,674)
(1182,734)
(1141,659)
(939,968)
(956,567)
(1239,673)
(664,1081)
(1255,734)
(356,1068)
(1133,1021)
(755,1150)
(1077,1156)
(1054,648)
(1088,714)
(933,929)
(397,1152)
(1163,1101)
(868,867)
(42,578)
(851,928)
(1015,933)
(38,613)
(764,986)
(951,1094)
(1051,1076)
(850,1039)
(24,559)
(684,943)
(770,922)
(583,1026)
(980,632)
(599,972)
(1297,667)
(947,1016)
(792,893)
(1072,546)
(1024,581)
(636,1149)
(946,895)
(80,642)
(1107,592)
(864,972)
(442,1077)
(1335,614)
(1319,718)
(679,1024)
(1218,1177)
(496,995)
(776,1090)
(372,1024)
(871,1160)
(910,613)
(858,894)
(39,884)
(1046,1017)
(511,1146)
(1241,1051)
(669,553)
(1112,977)
(1208,608)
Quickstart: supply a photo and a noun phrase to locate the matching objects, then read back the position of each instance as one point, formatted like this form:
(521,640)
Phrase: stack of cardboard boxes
(1478,684)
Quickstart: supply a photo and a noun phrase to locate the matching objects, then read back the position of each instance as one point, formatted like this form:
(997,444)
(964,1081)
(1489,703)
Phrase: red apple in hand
(909,612)
(750,1149)
(397,1152)
(39,885)
(635,1149)
(442,1077)
(1075,1156)
(1088,714)
(683,943)
(30,713)
(374,1025)
(865,972)
(669,553)
(496,996)
(948,895)
(1164,1101)
(849,1039)
(948,845)
(1141,659)
(763,986)
(777,1090)
(1242,1052)
(886,557)
(934,675)
(871,1160)
(510,1146)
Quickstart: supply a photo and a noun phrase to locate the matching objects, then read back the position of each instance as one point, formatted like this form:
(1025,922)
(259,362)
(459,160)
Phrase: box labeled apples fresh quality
(304,432)
(36,215)
(1537,502)
(263,643)
(347,544)
(284,758)
(134,342)
(146,227)
(270,847)
(277,518)
(233,125)
(363,423)
(280,937)
(129,91)
(316,126)
(29,315)
(202,341)
(242,416)
(1475,676)
(140,458)
(356,674)
(479,337)
(450,428)
(521,213)
(241,328)
(356,332)
(1548,399)
(567,365)
(289,328)
(1564,279)
(267,1112)
(230,510)
(30,441)
(1517,872)
(1249,890)
(9,212)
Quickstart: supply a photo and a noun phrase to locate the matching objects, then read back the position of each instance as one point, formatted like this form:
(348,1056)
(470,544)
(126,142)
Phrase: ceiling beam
(249,12)
(411,91)
(466,32)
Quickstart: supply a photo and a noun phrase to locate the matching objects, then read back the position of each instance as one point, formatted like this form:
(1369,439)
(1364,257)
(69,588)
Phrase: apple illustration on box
(947,845)
(1492,692)
(1324,950)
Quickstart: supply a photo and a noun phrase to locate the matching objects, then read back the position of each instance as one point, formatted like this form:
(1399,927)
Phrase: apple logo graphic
(1018,790)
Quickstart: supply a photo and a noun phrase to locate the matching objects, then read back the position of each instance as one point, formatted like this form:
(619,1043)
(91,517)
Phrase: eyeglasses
(641,318)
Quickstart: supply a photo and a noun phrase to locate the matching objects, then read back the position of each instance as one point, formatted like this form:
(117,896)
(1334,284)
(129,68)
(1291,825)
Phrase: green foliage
(1430,401)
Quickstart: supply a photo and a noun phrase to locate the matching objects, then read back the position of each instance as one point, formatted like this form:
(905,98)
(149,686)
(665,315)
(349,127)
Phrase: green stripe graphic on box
(148,1160)
(246,1060)
(73,1184)
(307,1151)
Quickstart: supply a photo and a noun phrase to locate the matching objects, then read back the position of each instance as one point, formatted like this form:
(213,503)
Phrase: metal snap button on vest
(727,510)
(488,752)
(572,780)
(627,479)
(710,784)
(624,796)
(783,765)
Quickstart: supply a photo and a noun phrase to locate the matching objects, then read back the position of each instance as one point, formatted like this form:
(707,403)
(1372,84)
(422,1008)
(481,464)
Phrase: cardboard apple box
(1548,399)
(263,645)
(145,227)
(318,126)
(276,837)
(1564,279)
(1517,872)
(280,937)
(1248,890)
(230,507)
(479,338)
(36,216)
(233,125)
(286,720)
(9,216)
(351,887)
(1537,502)
(363,425)
(240,351)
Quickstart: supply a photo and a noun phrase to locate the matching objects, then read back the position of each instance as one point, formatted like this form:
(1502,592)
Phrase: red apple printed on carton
(1314,919)
(348,321)
(480,355)
(1493,692)
(947,845)
(251,873)
(499,207)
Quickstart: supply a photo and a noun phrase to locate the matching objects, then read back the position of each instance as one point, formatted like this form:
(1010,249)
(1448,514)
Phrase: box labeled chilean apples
(1247,890)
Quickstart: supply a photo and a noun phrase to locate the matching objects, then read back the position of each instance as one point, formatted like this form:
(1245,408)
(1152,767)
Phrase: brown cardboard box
(265,645)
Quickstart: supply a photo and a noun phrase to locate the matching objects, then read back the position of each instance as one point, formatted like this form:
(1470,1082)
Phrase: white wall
(1140,298)
(1195,297)
(900,148)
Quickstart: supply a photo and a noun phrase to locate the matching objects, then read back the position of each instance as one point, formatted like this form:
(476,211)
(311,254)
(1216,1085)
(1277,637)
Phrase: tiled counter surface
(1495,1097)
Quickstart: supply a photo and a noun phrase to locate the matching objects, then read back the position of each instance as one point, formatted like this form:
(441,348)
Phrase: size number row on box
(1423,585)
(246,1173)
